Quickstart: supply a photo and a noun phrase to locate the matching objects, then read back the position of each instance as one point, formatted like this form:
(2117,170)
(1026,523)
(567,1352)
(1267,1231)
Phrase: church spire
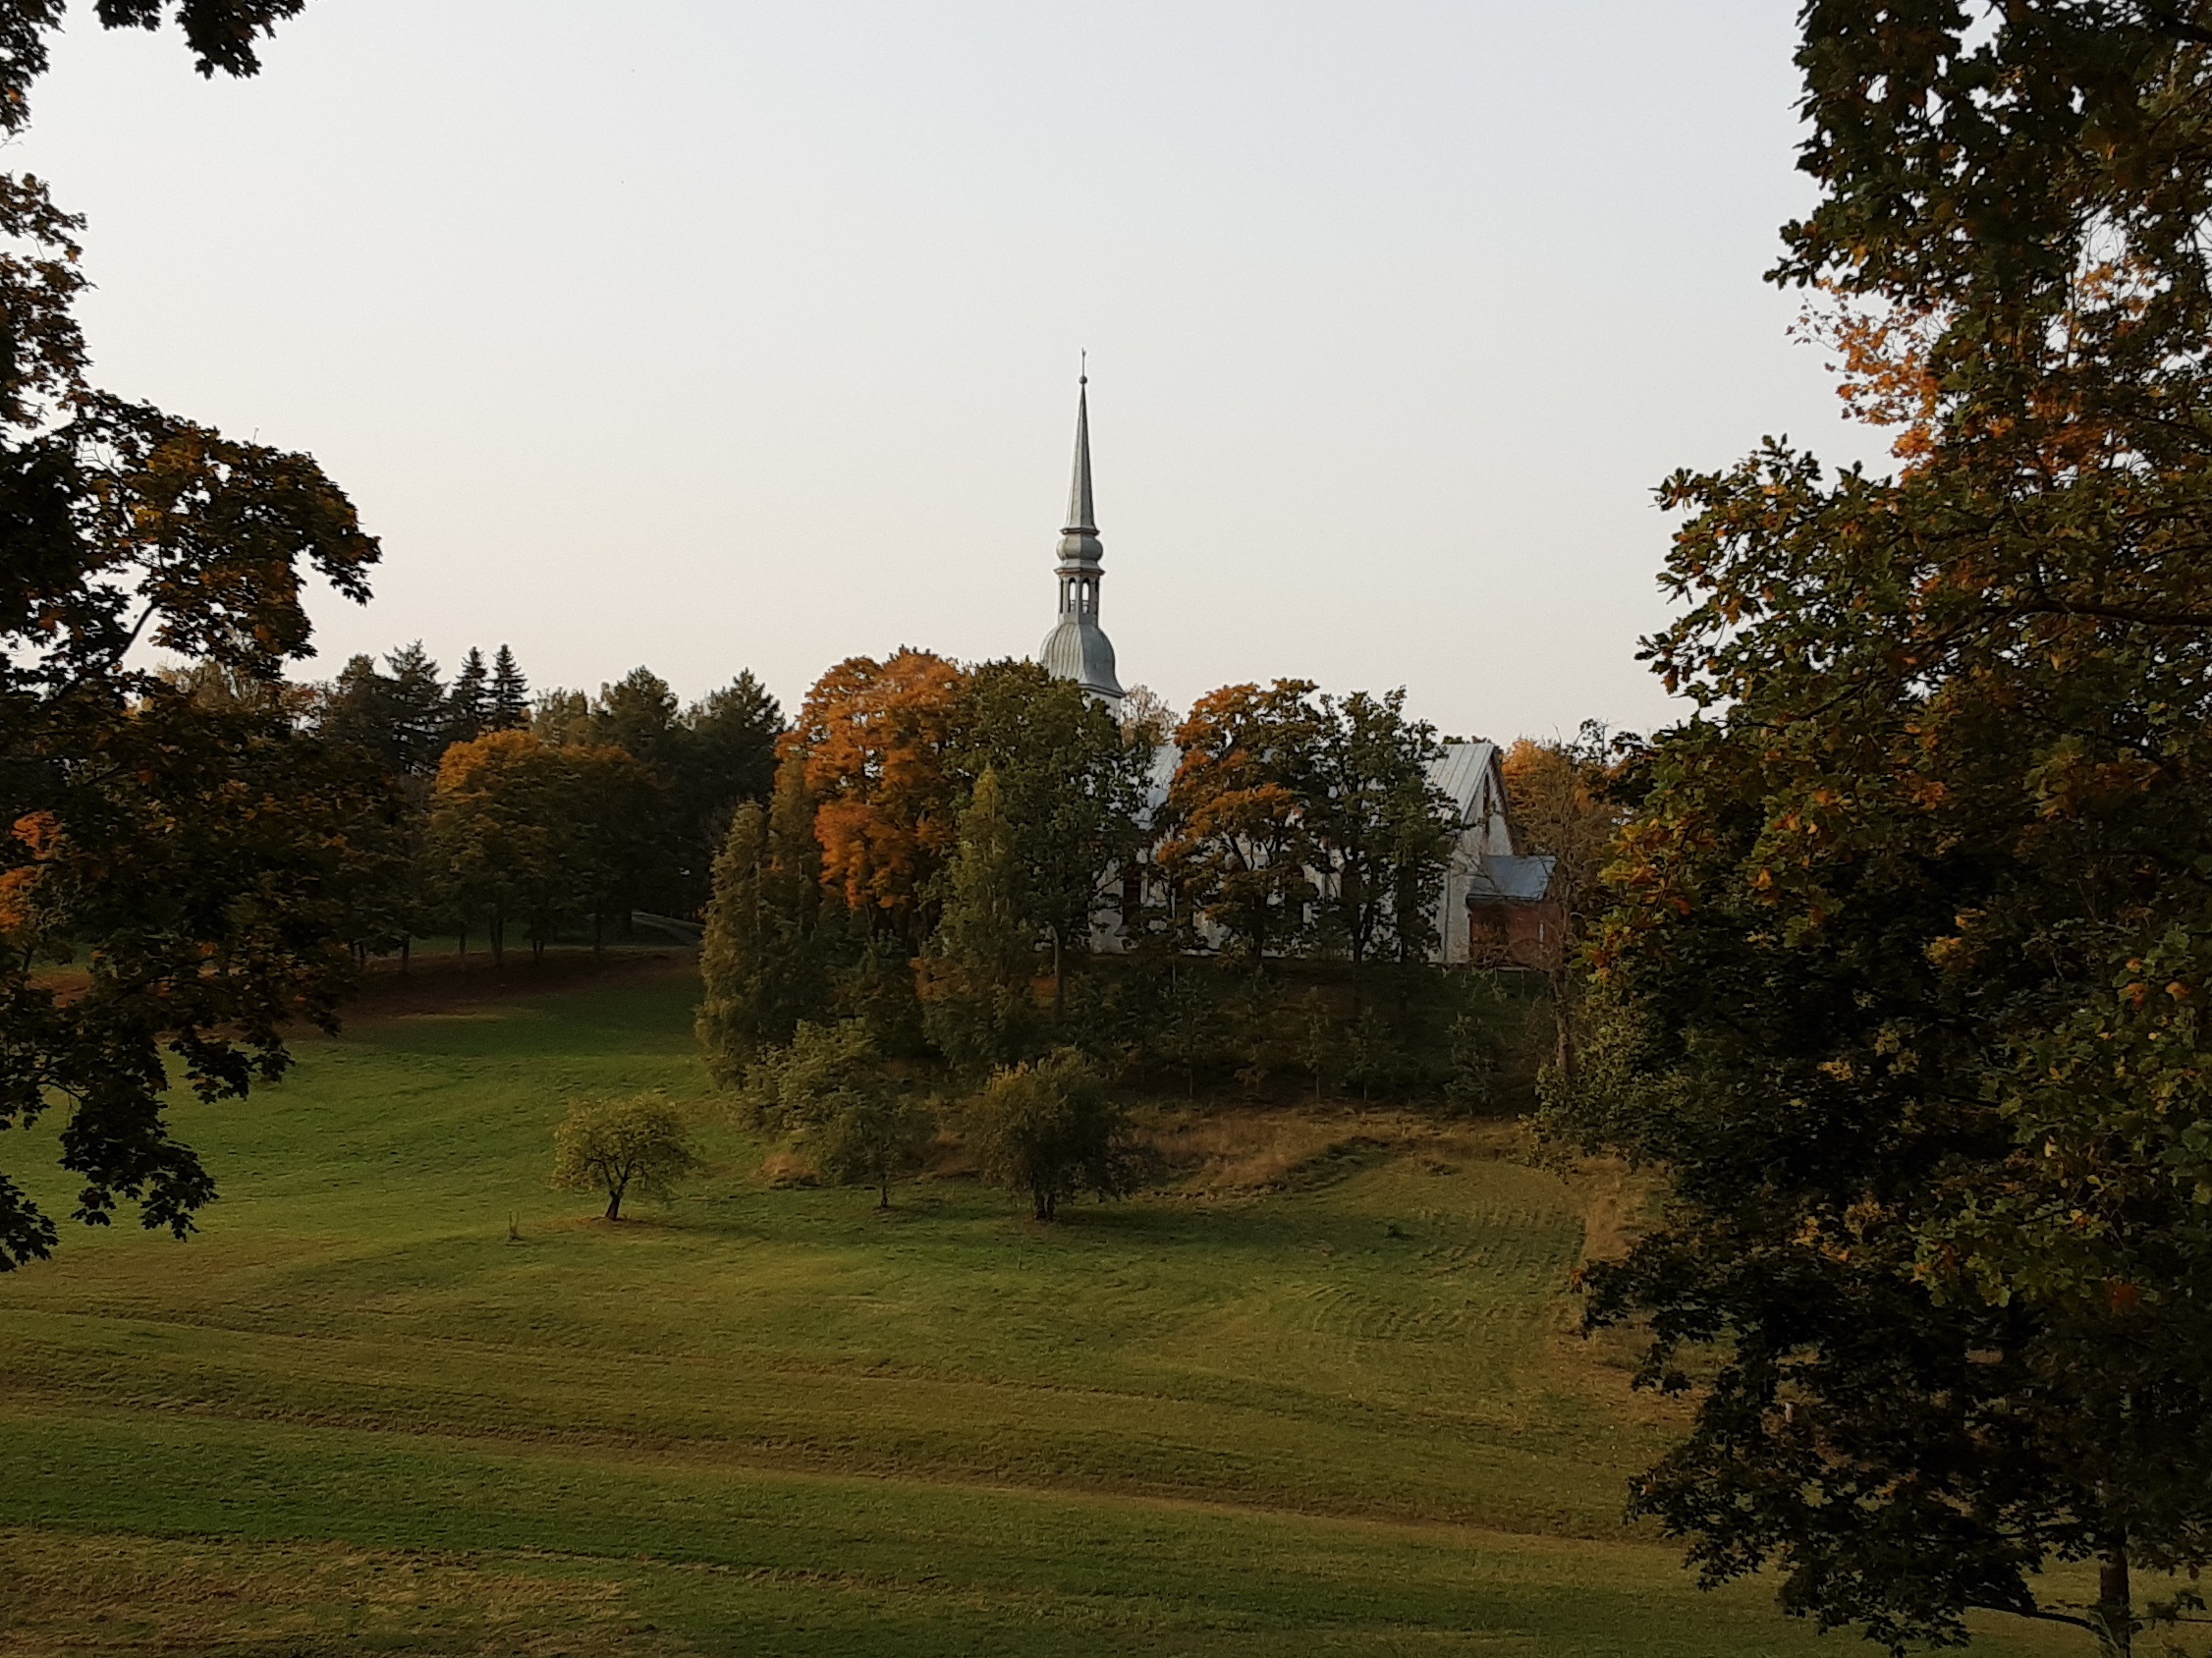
(1077,649)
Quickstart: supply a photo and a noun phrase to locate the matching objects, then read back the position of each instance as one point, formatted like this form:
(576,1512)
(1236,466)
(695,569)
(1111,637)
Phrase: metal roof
(1510,880)
(1459,772)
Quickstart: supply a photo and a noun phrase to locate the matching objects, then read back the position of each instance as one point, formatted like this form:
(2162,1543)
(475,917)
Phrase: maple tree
(875,738)
(1236,843)
(1904,986)
(522,829)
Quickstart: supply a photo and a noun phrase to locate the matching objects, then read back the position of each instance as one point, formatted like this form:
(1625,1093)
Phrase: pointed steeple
(1080,512)
(1077,649)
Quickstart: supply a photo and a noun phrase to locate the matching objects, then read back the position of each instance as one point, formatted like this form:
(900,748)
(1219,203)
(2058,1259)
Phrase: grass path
(1340,1416)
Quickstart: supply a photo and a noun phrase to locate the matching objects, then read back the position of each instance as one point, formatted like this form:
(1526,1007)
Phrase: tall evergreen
(355,711)
(469,702)
(418,704)
(638,712)
(510,694)
(763,956)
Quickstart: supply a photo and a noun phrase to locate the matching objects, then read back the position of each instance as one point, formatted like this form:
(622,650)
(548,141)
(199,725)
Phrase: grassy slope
(1344,1417)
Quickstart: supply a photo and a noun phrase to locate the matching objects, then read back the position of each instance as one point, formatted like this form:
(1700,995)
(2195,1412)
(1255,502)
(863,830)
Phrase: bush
(617,1145)
(829,1090)
(1050,1128)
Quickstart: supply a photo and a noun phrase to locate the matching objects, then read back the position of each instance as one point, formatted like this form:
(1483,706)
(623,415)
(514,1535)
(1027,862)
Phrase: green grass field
(1320,1396)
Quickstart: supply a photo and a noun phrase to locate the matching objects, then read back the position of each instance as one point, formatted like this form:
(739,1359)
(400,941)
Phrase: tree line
(546,816)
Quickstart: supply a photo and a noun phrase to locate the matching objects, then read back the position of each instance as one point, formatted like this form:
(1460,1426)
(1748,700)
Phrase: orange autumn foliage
(874,737)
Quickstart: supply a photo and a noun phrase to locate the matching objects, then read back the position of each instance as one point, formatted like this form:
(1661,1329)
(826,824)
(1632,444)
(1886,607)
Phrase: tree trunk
(2115,1607)
(1059,999)
(462,938)
(614,1203)
(406,949)
(498,941)
(885,1201)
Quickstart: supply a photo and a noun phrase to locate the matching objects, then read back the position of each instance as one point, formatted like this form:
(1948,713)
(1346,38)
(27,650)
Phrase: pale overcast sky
(713,335)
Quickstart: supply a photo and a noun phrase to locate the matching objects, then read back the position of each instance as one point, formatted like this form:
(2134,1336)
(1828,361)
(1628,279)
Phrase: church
(1494,906)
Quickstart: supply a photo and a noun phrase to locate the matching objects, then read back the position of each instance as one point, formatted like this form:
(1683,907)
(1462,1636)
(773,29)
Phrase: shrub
(830,1091)
(1051,1129)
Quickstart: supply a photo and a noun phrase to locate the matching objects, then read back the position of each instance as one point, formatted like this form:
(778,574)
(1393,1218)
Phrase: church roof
(1462,772)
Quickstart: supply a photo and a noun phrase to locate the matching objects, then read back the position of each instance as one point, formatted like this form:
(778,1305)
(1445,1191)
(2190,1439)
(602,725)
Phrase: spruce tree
(469,702)
(763,956)
(510,694)
(417,701)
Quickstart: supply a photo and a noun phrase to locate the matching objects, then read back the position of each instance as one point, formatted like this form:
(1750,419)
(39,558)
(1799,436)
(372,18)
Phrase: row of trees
(1050,1129)
(558,812)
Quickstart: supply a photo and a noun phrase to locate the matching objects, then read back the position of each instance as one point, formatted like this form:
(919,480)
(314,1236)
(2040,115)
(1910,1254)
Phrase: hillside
(1319,1396)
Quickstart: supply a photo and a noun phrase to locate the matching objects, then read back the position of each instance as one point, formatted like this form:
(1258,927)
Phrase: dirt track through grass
(1319,1397)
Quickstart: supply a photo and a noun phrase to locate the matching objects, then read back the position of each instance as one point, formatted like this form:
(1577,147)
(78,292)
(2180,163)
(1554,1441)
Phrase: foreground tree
(1051,1129)
(1906,986)
(639,1144)
(189,868)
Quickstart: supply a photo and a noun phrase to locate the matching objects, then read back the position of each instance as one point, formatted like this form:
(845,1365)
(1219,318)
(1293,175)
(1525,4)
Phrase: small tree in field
(1050,1129)
(620,1145)
(873,1141)
(829,1089)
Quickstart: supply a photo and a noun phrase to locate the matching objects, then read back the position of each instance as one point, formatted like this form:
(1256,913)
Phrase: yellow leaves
(874,737)
(40,831)
(16,889)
